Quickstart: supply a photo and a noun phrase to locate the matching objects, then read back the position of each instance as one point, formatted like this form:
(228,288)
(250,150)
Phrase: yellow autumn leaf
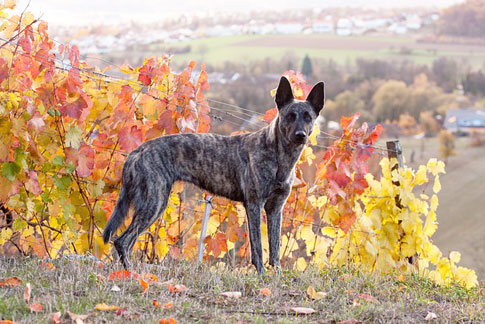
(104,307)
(437,184)
(314,134)
(455,256)
(316,295)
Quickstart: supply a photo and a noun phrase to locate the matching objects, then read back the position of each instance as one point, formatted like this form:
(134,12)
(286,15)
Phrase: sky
(82,12)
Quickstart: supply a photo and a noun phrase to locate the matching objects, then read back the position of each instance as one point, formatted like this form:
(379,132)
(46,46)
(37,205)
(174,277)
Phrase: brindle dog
(256,169)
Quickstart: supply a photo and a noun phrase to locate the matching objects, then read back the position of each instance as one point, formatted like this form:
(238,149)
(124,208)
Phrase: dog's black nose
(300,135)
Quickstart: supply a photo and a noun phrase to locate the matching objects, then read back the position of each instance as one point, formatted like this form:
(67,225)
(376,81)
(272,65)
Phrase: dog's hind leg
(147,210)
(254,223)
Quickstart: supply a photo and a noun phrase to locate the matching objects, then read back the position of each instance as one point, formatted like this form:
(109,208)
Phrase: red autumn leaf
(130,138)
(10,282)
(155,303)
(36,308)
(85,162)
(270,115)
(122,274)
(36,123)
(32,184)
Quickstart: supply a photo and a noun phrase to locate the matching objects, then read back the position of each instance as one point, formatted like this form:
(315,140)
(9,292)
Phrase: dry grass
(77,286)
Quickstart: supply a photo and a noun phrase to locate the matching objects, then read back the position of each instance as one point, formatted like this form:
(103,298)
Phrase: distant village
(102,39)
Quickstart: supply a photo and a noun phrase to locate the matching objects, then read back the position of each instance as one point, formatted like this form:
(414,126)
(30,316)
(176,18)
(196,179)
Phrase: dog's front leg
(253,210)
(274,210)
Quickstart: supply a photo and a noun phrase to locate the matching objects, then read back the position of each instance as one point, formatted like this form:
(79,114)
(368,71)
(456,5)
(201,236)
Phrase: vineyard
(67,127)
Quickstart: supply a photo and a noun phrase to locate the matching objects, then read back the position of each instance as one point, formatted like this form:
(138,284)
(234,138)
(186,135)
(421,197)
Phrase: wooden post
(394,151)
(203,231)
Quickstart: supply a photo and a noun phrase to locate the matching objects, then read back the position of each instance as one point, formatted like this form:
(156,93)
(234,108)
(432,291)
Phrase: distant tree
(474,83)
(306,67)
(464,19)
(345,104)
(429,123)
(408,124)
(445,73)
(447,144)
(391,100)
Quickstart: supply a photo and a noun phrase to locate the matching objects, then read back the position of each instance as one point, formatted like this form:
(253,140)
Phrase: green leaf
(58,160)
(70,167)
(63,182)
(18,224)
(74,137)
(45,197)
(10,170)
(97,189)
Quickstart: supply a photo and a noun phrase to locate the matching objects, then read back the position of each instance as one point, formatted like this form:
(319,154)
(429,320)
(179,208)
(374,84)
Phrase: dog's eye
(291,116)
(306,117)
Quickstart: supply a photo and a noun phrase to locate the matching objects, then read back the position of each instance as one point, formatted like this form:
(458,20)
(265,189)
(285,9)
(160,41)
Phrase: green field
(246,48)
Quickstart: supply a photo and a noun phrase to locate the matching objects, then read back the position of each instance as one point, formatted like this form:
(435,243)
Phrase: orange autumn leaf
(265,292)
(168,305)
(155,303)
(47,266)
(122,274)
(369,298)
(10,282)
(150,278)
(144,285)
(77,318)
(7,322)
(176,288)
(104,307)
(170,320)
(316,295)
(56,318)
(27,292)
(36,308)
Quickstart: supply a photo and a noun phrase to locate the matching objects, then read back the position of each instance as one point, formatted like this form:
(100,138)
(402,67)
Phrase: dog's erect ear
(283,94)
(317,97)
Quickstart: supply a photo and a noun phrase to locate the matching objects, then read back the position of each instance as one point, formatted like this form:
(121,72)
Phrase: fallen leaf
(168,305)
(122,274)
(303,310)
(100,265)
(27,292)
(56,318)
(430,316)
(155,303)
(231,294)
(265,292)
(115,288)
(7,322)
(78,319)
(312,294)
(10,282)
(176,288)
(120,311)
(104,307)
(170,320)
(150,278)
(369,298)
(144,284)
(101,278)
(36,308)
(47,266)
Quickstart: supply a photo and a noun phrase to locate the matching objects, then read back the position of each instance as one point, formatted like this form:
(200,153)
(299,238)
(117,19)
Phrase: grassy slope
(341,49)
(461,211)
(75,286)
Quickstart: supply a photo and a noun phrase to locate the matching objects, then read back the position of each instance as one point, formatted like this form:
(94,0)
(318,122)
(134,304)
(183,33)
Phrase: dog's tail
(119,214)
